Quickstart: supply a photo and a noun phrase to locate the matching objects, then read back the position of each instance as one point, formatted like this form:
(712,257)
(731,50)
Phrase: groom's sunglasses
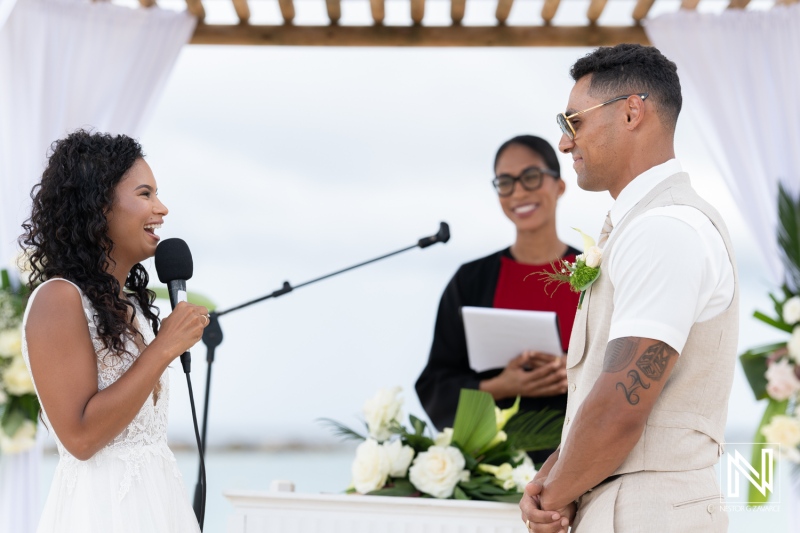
(564,120)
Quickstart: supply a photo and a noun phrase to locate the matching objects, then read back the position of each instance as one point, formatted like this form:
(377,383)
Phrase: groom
(652,353)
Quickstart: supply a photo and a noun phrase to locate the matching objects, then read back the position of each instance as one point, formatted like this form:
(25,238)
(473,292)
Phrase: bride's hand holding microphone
(182,329)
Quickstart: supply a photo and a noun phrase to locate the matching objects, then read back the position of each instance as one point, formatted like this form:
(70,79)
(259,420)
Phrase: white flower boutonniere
(583,272)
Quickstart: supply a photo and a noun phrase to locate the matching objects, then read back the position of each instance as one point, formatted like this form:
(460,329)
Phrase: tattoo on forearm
(653,362)
(619,354)
(636,383)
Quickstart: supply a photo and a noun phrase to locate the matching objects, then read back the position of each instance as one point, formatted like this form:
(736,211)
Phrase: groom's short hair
(632,69)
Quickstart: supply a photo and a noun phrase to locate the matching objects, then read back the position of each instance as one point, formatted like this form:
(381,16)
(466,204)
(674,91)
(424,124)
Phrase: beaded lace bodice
(147,433)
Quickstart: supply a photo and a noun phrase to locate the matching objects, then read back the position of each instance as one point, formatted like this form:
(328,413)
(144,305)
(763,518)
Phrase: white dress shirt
(669,268)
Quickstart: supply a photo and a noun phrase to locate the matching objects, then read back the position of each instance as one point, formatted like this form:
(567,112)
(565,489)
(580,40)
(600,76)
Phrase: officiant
(528,185)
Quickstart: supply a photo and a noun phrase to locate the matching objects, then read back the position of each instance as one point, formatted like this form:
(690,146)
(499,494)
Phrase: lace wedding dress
(133,483)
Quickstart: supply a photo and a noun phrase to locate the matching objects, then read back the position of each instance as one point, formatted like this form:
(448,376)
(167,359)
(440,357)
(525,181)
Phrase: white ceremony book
(496,336)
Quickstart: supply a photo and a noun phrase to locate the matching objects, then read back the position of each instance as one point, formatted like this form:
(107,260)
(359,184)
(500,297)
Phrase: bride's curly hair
(67,233)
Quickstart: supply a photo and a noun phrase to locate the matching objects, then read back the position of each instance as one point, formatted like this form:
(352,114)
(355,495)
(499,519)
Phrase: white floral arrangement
(19,405)
(482,457)
(773,370)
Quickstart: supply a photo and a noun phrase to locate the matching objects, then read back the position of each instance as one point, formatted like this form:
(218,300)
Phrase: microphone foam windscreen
(173,260)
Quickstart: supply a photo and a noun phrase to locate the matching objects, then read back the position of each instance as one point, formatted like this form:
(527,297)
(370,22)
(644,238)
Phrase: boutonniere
(583,272)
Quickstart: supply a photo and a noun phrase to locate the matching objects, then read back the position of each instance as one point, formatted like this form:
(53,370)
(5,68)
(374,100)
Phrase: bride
(89,339)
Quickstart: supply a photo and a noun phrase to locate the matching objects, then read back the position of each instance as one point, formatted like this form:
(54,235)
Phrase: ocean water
(328,471)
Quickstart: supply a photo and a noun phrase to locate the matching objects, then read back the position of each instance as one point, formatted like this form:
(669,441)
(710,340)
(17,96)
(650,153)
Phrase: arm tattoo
(619,354)
(630,392)
(653,362)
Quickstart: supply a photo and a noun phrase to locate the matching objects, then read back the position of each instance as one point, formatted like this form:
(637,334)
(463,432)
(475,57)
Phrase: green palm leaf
(340,430)
(535,430)
(789,235)
(475,424)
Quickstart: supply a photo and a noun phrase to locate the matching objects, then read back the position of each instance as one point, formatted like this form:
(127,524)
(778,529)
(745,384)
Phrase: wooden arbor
(417,34)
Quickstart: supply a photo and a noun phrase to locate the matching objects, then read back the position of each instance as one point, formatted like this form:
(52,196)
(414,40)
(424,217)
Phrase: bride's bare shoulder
(54,302)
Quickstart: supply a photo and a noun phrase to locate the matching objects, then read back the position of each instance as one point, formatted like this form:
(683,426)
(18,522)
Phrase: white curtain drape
(66,64)
(740,71)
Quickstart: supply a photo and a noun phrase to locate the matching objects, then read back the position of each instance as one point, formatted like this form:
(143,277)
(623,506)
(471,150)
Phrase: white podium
(289,512)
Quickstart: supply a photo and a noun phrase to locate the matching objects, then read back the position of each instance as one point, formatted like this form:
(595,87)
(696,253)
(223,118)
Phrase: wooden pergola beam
(417,11)
(334,10)
(641,10)
(457,8)
(378,11)
(503,10)
(245,34)
(738,4)
(549,9)
(596,8)
(242,10)
(690,5)
(147,3)
(287,10)
(195,7)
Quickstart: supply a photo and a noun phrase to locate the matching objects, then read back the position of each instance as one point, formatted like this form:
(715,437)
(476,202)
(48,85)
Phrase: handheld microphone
(174,266)
(443,235)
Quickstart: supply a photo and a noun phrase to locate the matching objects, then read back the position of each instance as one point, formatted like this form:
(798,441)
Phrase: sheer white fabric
(133,483)
(740,78)
(66,64)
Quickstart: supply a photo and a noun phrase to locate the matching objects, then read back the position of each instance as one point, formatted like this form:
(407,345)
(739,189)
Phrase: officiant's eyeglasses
(531,179)
(564,120)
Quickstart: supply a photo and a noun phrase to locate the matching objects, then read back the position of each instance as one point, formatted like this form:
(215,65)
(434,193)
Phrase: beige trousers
(654,502)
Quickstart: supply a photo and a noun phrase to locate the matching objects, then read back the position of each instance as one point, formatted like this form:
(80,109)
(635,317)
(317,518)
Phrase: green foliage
(583,276)
(535,430)
(774,407)
(417,440)
(340,430)
(475,424)
(789,235)
(18,410)
(396,487)
(193,297)
(754,364)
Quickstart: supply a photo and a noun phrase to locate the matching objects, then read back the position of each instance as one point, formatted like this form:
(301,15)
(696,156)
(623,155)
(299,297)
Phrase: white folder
(496,336)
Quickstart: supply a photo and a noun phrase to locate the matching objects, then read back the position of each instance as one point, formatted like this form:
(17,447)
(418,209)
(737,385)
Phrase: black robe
(448,370)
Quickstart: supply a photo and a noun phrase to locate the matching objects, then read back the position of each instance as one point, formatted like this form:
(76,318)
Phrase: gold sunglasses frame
(562,118)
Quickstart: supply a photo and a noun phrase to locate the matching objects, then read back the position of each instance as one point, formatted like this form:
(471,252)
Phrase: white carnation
(791,310)
(784,430)
(11,342)
(438,471)
(522,475)
(444,438)
(382,412)
(794,345)
(593,256)
(782,383)
(17,379)
(24,439)
(370,467)
(399,457)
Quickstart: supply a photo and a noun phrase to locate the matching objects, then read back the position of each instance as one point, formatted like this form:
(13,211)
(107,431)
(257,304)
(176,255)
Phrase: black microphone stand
(212,335)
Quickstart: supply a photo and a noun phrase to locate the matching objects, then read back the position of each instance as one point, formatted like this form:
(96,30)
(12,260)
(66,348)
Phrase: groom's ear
(635,112)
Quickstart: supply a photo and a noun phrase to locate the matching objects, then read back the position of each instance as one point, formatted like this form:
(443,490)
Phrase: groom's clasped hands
(538,520)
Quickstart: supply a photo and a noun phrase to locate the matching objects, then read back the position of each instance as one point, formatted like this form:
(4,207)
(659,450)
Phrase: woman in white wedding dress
(89,341)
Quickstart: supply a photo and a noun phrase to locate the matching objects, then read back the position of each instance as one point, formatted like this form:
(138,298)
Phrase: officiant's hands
(530,374)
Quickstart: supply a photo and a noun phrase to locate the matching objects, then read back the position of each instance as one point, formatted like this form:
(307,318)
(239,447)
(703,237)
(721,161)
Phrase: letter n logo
(739,466)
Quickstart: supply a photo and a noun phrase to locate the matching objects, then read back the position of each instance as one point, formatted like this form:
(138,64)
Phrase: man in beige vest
(651,357)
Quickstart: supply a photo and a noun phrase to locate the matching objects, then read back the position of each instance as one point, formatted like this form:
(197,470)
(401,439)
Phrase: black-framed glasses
(564,120)
(531,179)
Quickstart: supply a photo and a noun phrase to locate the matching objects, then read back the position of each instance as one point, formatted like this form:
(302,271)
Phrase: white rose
(370,467)
(17,378)
(782,383)
(11,342)
(23,439)
(382,411)
(784,430)
(522,475)
(791,310)
(794,345)
(444,438)
(399,457)
(438,471)
(593,256)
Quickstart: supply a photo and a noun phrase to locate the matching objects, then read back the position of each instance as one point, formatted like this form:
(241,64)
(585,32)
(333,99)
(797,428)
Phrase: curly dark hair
(535,144)
(67,233)
(633,68)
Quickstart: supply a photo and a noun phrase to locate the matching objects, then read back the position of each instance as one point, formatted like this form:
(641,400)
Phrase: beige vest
(685,430)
